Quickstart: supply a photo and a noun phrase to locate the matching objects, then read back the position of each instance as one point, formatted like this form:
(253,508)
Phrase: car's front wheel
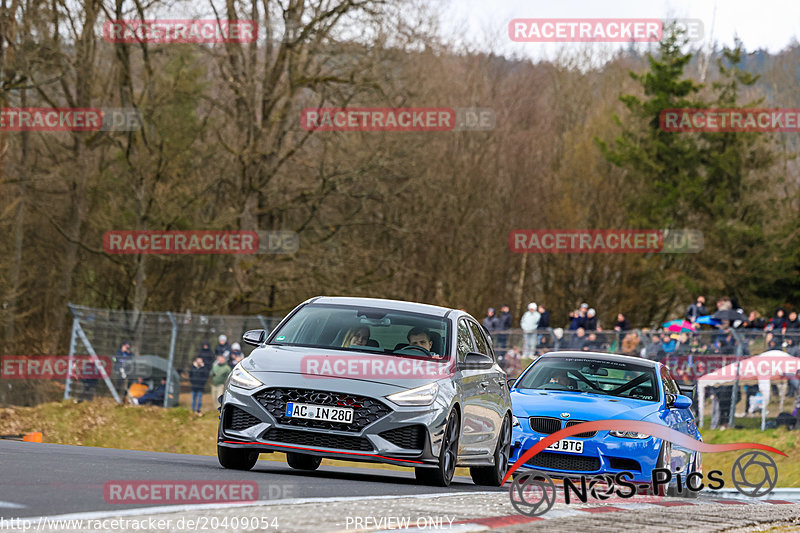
(493,475)
(236,458)
(303,461)
(442,475)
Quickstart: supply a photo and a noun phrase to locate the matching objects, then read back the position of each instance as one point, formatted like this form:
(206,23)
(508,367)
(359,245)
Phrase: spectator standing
(696,310)
(198,375)
(579,340)
(754,321)
(778,322)
(529,324)
(622,323)
(222,347)
(123,359)
(654,352)
(591,320)
(544,318)
(491,322)
(505,324)
(219,373)
(792,323)
(206,353)
(236,355)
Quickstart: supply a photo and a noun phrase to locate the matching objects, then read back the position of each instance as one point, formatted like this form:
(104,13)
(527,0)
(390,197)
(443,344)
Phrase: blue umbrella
(708,320)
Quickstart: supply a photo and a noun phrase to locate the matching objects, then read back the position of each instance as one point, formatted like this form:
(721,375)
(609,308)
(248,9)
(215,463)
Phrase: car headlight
(243,379)
(514,421)
(629,434)
(420,396)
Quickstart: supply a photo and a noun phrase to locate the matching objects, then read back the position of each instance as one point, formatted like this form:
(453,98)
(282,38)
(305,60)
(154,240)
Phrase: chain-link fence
(114,353)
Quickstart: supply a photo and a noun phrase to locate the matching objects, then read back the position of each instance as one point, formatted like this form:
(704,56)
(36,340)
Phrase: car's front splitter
(343,455)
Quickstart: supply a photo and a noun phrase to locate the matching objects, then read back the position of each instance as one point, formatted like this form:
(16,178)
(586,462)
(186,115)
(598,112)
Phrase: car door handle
(484,384)
(502,382)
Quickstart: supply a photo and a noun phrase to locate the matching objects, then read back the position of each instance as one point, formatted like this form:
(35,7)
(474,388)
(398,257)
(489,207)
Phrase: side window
(480,341)
(669,384)
(464,340)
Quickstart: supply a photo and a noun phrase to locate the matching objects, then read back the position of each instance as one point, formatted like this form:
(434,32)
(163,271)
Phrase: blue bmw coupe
(561,389)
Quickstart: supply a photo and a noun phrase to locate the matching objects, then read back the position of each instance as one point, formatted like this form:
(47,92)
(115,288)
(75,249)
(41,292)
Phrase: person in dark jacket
(491,322)
(123,362)
(696,310)
(236,355)
(504,324)
(793,323)
(622,323)
(206,353)
(544,318)
(198,375)
(222,347)
(155,396)
(591,320)
(778,322)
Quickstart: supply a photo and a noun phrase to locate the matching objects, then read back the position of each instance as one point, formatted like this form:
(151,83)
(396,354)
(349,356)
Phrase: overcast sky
(768,24)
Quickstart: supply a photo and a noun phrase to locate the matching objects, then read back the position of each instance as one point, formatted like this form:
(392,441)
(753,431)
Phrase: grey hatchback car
(372,380)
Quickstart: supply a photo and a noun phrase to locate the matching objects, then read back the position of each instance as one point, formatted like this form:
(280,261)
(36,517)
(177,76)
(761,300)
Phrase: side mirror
(679,401)
(254,337)
(511,382)
(476,361)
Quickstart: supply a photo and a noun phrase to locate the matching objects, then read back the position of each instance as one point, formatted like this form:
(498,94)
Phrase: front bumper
(386,433)
(602,454)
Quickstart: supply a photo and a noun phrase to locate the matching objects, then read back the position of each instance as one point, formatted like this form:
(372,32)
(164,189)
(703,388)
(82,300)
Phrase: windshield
(588,375)
(365,329)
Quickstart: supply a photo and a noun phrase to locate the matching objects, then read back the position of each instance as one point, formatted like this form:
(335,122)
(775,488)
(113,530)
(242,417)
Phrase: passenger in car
(357,336)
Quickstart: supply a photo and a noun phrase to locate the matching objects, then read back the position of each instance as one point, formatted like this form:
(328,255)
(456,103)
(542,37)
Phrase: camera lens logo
(533,493)
(754,474)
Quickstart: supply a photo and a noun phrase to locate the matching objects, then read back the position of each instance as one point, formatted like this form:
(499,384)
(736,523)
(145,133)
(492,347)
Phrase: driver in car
(561,377)
(420,337)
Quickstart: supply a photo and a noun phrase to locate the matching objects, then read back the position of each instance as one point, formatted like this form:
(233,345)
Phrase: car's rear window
(341,327)
(592,375)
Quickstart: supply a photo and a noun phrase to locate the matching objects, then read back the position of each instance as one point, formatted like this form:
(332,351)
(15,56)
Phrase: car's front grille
(412,437)
(544,424)
(581,435)
(367,410)
(317,440)
(565,461)
(237,420)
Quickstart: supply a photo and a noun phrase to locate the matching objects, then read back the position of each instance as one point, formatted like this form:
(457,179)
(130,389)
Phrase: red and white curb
(495,522)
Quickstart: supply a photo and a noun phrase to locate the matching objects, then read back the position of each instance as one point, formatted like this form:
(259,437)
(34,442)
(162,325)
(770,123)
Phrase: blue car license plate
(569,446)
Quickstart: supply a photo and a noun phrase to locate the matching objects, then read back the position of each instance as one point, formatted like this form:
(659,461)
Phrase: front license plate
(570,446)
(319,412)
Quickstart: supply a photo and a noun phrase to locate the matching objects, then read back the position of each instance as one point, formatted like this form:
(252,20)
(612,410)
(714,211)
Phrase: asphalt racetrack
(61,482)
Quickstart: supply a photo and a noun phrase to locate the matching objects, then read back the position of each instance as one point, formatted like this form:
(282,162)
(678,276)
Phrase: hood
(317,365)
(580,406)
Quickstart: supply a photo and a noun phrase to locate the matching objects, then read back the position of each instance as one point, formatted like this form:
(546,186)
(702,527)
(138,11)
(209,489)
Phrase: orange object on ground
(33,437)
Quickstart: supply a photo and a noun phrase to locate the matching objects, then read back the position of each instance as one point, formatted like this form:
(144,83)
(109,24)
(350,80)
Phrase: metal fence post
(739,353)
(71,363)
(171,358)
